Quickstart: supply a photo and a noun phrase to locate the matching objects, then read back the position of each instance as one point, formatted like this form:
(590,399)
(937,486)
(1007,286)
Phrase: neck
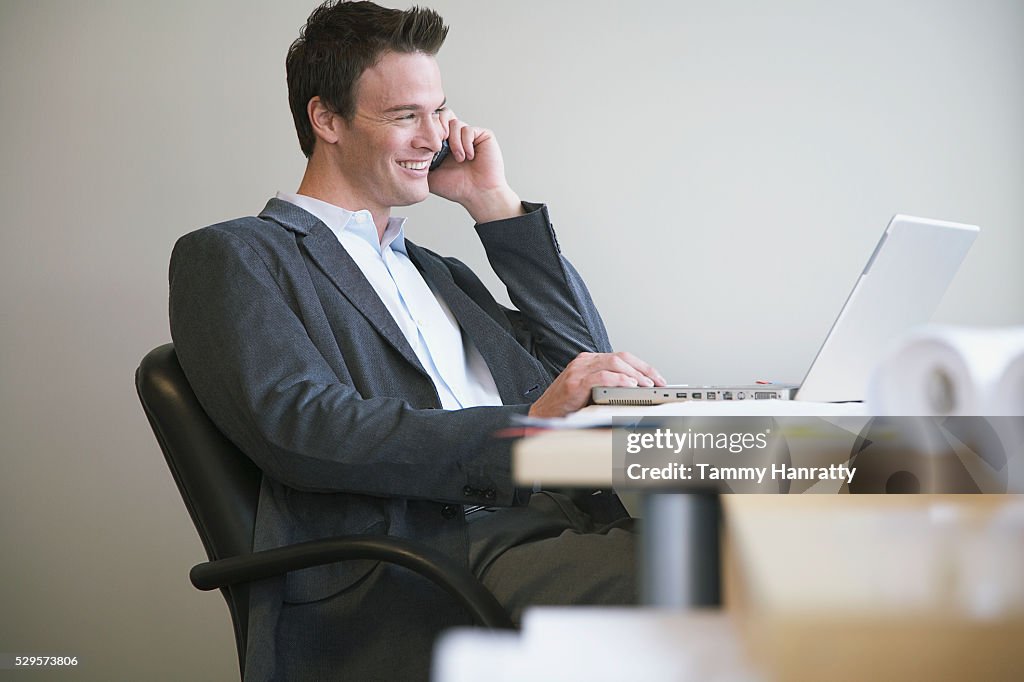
(321,181)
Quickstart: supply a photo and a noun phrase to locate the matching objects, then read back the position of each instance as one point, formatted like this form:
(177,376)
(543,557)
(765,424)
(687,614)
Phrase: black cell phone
(439,157)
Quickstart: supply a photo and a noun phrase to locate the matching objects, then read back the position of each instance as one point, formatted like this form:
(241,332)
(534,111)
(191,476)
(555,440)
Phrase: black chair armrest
(438,568)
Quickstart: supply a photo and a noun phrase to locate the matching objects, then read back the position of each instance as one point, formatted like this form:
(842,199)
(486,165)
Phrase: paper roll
(1010,388)
(951,371)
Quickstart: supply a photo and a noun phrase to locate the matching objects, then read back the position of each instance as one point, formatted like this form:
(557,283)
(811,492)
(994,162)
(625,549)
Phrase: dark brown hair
(339,42)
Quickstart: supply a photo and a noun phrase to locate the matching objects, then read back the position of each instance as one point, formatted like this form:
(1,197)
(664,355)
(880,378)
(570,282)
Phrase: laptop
(900,288)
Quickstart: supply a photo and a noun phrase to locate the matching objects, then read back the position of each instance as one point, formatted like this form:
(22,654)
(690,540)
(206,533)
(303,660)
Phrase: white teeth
(414,165)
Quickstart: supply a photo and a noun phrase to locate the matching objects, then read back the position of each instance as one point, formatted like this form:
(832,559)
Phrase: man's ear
(326,124)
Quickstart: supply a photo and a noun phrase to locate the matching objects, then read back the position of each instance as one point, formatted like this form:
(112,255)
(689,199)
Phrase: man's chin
(413,198)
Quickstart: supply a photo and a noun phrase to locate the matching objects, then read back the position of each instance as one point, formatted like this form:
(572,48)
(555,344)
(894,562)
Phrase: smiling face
(384,151)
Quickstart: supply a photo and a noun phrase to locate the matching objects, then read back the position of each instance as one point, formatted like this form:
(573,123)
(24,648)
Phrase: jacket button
(469,491)
(449,511)
(489,494)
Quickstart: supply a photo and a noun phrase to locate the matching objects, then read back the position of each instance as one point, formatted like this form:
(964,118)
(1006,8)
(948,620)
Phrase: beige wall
(763,145)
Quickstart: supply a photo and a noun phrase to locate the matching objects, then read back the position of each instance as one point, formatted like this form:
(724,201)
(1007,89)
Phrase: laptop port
(695,396)
(680,395)
(726,395)
(710,396)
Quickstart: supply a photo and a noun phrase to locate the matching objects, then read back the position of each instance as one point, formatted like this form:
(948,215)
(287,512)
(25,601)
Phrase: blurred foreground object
(879,587)
(952,371)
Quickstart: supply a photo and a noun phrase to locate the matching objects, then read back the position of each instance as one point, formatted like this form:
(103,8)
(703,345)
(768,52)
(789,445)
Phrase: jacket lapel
(324,249)
(515,373)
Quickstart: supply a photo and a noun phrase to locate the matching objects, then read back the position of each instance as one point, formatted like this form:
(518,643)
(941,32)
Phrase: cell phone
(439,157)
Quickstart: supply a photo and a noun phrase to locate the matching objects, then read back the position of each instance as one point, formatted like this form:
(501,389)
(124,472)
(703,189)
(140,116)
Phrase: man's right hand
(474,174)
(570,390)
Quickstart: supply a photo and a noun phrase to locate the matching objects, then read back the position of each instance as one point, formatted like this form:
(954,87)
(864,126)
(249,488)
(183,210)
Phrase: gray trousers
(547,553)
(552,553)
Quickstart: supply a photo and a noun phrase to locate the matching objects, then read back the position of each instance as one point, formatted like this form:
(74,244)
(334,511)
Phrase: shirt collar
(358,223)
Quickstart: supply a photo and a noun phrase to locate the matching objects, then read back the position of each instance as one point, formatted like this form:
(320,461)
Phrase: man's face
(385,150)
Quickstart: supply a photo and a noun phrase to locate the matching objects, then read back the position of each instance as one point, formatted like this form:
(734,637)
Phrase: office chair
(220,487)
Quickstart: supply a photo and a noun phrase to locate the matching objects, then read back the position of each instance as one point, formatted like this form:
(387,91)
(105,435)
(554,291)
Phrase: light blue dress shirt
(459,373)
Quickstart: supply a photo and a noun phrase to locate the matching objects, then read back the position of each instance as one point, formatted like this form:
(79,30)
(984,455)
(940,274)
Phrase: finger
(619,365)
(447,115)
(613,363)
(610,378)
(622,363)
(455,137)
(468,141)
(591,363)
(644,368)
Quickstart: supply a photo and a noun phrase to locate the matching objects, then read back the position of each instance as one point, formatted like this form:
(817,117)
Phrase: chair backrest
(219,484)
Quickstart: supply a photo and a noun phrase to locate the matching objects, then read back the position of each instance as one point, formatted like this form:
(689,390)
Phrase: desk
(575,454)
(837,587)
(598,644)
(680,553)
(589,644)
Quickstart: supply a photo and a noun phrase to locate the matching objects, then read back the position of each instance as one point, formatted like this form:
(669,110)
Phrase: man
(366,375)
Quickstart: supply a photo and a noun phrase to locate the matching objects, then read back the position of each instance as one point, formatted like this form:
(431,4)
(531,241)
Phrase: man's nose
(433,134)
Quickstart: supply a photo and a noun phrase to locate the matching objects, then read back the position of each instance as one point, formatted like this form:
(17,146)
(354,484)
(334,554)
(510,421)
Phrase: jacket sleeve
(554,306)
(246,351)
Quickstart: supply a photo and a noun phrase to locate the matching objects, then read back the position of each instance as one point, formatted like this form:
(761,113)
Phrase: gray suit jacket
(296,359)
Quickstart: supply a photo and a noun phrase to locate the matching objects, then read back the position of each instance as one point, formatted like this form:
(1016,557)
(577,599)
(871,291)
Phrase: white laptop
(900,288)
